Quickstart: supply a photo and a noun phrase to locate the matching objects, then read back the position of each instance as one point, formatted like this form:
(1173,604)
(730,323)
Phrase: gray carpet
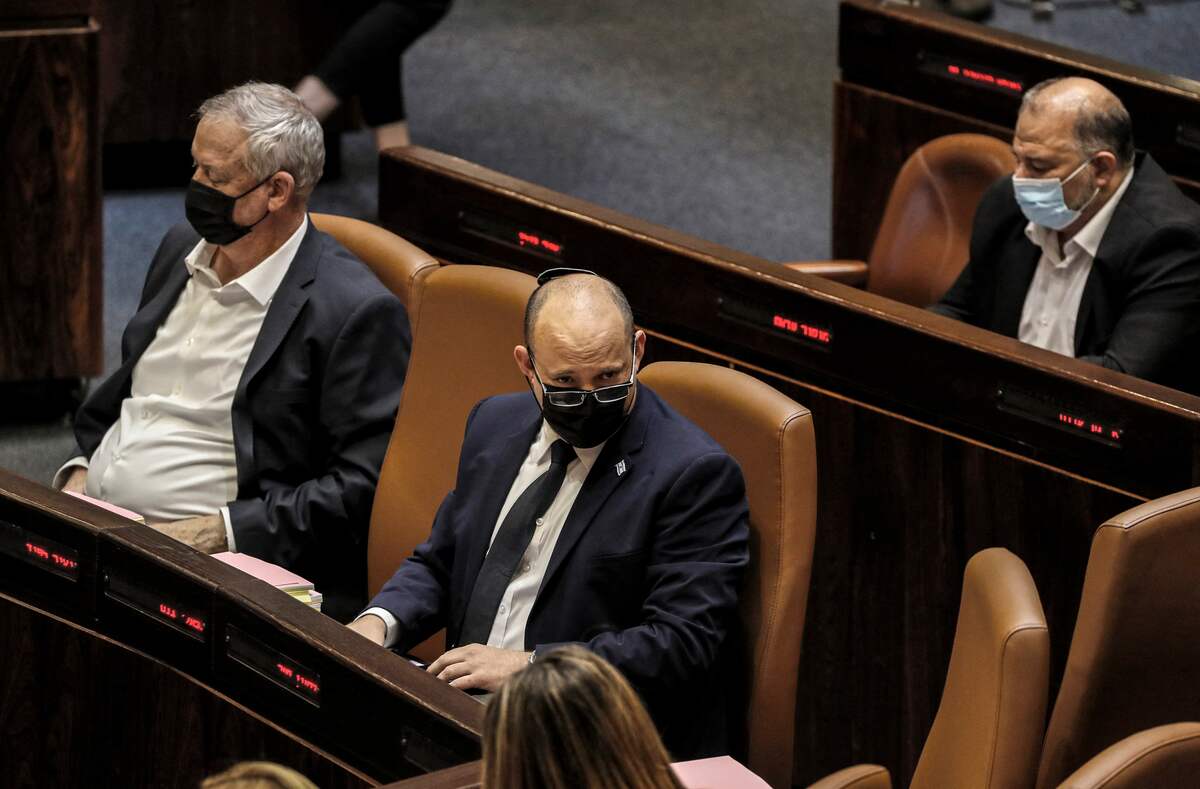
(709,117)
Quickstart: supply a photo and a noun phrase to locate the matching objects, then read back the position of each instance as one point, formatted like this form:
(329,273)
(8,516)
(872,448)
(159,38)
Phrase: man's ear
(281,188)
(1106,166)
(639,347)
(524,364)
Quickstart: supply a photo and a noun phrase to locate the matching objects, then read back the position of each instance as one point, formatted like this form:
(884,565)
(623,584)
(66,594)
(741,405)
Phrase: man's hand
(370,627)
(477,666)
(205,534)
(77,481)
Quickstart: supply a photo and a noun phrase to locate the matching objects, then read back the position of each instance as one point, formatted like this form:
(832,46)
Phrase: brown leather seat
(1134,661)
(1165,757)
(923,237)
(988,730)
(468,320)
(399,265)
(771,437)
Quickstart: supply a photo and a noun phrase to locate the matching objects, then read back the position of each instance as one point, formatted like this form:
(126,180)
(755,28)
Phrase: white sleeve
(393,626)
(228,530)
(60,476)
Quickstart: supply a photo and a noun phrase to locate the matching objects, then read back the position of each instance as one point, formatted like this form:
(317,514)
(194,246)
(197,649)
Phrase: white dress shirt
(170,455)
(508,628)
(1052,301)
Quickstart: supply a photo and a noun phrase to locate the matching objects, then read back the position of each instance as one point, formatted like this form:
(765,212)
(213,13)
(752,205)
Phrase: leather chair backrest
(771,437)
(468,320)
(1165,757)
(399,265)
(923,239)
(1134,661)
(987,733)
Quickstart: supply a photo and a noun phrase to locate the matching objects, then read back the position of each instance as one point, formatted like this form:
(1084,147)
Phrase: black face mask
(210,212)
(595,419)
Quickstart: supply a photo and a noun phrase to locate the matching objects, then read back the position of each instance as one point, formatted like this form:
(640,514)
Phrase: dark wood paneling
(465,776)
(77,709)
(51,298)
(162,58)
(122,610)
(892,98)
(918,469)
(874,133)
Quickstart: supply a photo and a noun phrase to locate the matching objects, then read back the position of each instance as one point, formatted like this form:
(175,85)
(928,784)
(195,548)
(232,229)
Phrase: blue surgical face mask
(1042,201)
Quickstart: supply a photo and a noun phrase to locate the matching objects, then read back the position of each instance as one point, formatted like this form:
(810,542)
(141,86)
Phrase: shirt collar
(260,282)
(547,436)
(1090,235)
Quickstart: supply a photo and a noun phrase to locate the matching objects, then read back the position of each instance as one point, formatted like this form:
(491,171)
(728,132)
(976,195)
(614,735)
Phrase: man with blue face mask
(1089,249)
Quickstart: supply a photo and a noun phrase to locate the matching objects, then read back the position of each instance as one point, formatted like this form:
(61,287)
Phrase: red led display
(187,620)
(145,597)
(805,330)
(48,556)
(958,70)
(526,239)
(39,551)
(511,234)
(1089,427)
(298,680)
(274,665)
(1056,414)
(985,77)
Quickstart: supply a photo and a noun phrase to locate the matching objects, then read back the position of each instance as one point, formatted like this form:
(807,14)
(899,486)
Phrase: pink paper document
(719,772)
(104,505)
(264,571)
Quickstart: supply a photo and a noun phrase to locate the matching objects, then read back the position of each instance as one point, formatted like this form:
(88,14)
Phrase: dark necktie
(510,545)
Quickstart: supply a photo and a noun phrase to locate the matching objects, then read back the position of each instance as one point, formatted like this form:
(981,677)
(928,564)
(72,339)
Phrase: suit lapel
(286,304)
(144,325)
(289,299)
(1013,287)
(1087,303)
(613,466)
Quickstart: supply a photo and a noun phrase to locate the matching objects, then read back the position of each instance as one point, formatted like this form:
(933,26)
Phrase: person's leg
(366,62)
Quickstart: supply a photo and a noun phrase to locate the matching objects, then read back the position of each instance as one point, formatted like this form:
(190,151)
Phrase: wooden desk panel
(80,709)
(919,465)
(149,640)
(51,297)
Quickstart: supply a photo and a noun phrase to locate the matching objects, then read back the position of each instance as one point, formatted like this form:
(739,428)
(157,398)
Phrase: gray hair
(282,133)
(1102,124)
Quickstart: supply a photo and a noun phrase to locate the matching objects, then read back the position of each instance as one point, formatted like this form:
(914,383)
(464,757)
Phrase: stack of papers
(104,505)
(285,580)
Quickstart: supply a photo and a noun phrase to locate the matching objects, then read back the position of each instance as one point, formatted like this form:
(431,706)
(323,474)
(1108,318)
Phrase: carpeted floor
(710,117)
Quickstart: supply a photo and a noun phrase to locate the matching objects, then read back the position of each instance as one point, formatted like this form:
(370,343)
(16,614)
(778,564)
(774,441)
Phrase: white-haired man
(261,373)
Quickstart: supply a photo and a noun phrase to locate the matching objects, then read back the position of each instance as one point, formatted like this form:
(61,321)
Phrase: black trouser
(365,62)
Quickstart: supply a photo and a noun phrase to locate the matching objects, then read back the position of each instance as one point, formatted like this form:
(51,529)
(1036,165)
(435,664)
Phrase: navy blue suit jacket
(1140,310)
(312,414)
(646,570)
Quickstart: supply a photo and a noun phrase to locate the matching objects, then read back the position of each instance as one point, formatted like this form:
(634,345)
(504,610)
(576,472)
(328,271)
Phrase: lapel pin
(620,468)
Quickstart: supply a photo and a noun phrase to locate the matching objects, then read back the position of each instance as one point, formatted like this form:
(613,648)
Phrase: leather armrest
(849,272)
(860,776)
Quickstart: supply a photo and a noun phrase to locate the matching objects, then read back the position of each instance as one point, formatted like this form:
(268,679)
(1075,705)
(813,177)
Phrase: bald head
(1084,111)
(584,300)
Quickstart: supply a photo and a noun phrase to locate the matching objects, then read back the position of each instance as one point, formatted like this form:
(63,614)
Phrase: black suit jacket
(645,572)
(1140,311)
(312,413)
